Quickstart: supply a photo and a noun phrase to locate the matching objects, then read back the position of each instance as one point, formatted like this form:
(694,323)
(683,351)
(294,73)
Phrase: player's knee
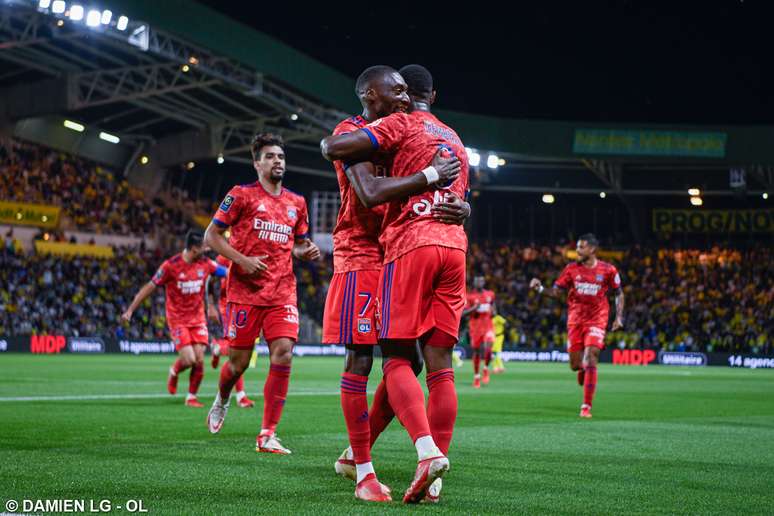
(282,354)
(360,365)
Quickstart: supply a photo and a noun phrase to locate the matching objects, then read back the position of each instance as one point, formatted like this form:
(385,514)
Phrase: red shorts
(184,336)
(478,338)
(422,290)
(580,336)
(350,307)
(244,324)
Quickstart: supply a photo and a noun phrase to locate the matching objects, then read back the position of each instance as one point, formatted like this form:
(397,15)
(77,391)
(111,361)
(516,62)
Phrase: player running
(499,323)
(269,226)
(184,276)
(587,281)
(220,346)
(422,283)
(480,309)
(357,259)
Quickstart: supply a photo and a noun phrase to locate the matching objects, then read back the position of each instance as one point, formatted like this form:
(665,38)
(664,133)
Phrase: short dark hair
(193,238)
(369,74)
(418,79)
(262,140)
(590,238)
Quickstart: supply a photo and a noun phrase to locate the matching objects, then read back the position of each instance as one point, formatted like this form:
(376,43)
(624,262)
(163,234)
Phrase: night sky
(626,61)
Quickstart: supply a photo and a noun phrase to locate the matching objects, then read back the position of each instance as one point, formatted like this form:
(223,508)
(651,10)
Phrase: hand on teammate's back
(447,165)
(452,210)
(253,264)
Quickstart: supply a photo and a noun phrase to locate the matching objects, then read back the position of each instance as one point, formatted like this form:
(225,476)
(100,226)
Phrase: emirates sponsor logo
(587,289)
(272,231)
(191,286)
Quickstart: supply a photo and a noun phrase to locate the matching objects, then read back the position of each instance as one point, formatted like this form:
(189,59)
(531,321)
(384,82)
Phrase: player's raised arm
(536,285)
(372,190)
(355,146)
(141,296)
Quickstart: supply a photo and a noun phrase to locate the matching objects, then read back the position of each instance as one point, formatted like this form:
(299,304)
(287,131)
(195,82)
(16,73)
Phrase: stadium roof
(184,82)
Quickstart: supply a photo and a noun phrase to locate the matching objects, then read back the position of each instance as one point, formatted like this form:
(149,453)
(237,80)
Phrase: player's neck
(186,254)
(418,105)
(369,115)
(590,262)
(271,187)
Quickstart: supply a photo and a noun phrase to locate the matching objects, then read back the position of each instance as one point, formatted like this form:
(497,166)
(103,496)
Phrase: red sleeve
(222,260)
(302,224)
(228,211)
(564,281)
(388,132)
(162,275)
(614,279)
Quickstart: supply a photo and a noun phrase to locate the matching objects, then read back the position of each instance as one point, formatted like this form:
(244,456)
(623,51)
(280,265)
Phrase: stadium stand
(715,300)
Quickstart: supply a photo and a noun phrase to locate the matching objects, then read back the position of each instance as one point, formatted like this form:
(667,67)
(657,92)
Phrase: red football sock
(406,397)
(275,391)
(240,383)
(589,384)
(178,367)
(381,412)
(476,362)
(487,356)
(354,404)
(226,382)
(442,407)
(197,373)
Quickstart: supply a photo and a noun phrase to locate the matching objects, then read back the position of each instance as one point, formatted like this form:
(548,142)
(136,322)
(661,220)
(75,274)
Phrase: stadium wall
(59,344)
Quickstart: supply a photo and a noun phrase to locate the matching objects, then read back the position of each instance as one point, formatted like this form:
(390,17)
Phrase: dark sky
(628,61)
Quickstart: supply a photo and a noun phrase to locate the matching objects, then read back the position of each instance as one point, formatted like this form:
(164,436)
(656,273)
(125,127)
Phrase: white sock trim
(426,448)
(363,470)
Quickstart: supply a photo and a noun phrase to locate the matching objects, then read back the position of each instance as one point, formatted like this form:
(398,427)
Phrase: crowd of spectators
(717,300)
(91,197)
(84,296)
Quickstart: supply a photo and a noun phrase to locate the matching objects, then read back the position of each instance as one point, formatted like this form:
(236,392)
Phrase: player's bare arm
(214,238)
(306,250)
(141,296)
(453,210)
(619,309)
(355,146)
(468,311)
(372,190)
(536,285)
(212,300)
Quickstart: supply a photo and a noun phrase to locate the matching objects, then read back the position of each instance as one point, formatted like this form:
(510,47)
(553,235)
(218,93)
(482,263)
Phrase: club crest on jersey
(226,204)
(292,213)
(200,273)
(599,277)
(364,325)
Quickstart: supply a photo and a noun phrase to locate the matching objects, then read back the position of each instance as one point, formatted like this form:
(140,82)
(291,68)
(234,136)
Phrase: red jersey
(356,235)
(225,262)
(263,224)
(184,284)
(413,139)
(587,297)
(481,317)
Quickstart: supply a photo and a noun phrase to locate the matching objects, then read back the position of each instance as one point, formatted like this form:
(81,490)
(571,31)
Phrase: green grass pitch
(663,441)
